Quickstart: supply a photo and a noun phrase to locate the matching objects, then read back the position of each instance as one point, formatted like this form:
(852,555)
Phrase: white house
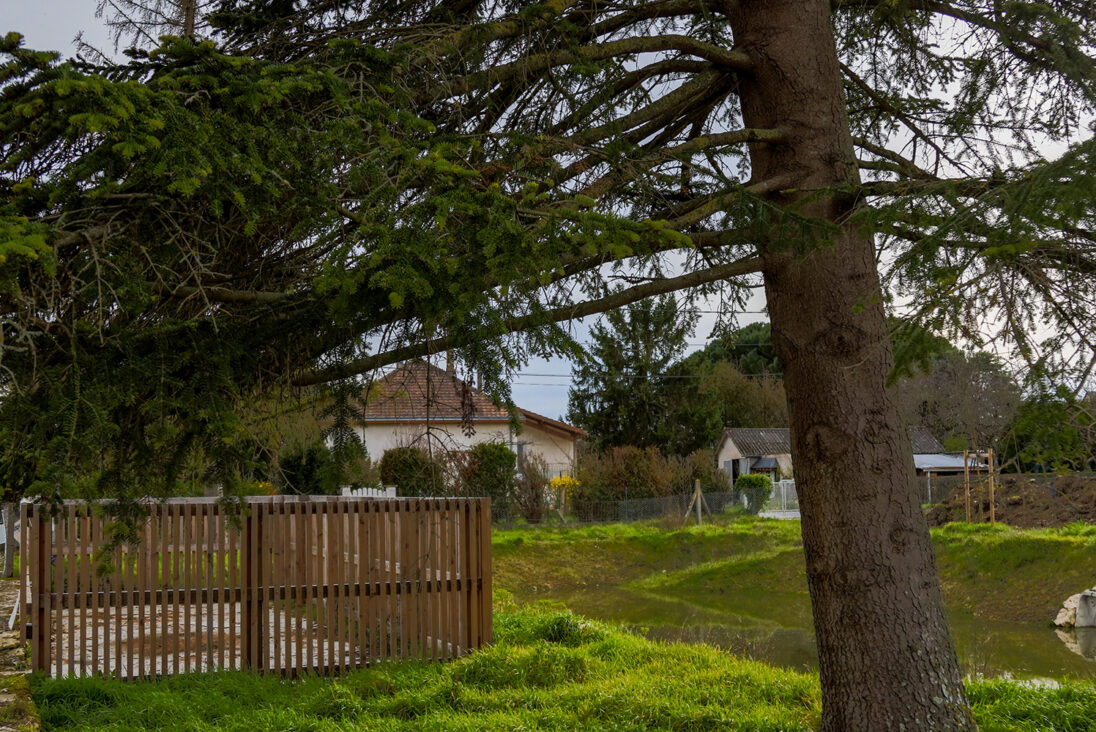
(419,404)
(768,450)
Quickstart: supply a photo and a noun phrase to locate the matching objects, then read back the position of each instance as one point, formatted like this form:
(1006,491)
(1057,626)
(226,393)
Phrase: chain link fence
(635,509)
(783,498)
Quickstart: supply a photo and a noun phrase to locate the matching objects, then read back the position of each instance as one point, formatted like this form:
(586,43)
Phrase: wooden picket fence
(292,585)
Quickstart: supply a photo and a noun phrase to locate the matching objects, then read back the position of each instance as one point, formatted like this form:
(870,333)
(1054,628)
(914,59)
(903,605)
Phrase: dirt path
(13,658)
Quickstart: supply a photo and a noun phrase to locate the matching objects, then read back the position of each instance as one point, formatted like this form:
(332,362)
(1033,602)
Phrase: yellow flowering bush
(564,483)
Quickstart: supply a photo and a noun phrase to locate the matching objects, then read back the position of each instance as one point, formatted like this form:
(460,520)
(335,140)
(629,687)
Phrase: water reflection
(1081,641)
(776,628)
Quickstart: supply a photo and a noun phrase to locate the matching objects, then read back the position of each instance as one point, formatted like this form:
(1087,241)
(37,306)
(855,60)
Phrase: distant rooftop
(418,391)
(758,441)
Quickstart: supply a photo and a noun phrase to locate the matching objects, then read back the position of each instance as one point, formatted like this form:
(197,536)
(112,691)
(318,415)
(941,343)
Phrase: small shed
(768,450)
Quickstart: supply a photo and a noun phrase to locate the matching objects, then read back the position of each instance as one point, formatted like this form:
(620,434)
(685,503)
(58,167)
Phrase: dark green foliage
(309,470)
(412,471)
(749,349)
(490,471)
(305,185)
(619,395)
(757,488)
(1053,432)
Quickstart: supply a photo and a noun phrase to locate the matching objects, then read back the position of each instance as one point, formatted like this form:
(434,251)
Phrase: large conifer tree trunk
(887,661)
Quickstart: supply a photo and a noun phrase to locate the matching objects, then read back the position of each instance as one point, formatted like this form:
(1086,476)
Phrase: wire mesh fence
(783,498)
(634,509)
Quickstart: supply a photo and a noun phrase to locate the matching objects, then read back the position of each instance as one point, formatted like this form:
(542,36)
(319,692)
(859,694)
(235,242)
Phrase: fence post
(485,572)
(992,489)
(966,480)
(696,498)
(40,591)
(252,620)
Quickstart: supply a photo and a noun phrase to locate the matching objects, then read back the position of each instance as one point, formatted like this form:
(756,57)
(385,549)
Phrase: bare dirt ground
(1026,503)
(12,646)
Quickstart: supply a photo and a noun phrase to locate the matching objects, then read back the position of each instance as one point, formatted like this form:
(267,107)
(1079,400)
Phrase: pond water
(776,628)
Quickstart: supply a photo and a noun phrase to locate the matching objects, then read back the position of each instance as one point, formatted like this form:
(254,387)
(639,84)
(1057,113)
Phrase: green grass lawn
(996,572)
(549,670)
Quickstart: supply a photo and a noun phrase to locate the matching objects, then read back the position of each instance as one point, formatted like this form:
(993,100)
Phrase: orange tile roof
(417,390)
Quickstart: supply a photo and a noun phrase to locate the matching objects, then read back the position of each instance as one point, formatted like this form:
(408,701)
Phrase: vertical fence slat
(32,537)
(387,557)
(116,605)
(100,661)
(485,572)
(70,586)
(454,594)
(323,532)
(216,587)
(163,575)
(277,581)
(361,572)
(188,580)
(84,584)
(57,588)
(312,606)
(334,548)
(144,616)
(342,564)
(301,579)
(27,539)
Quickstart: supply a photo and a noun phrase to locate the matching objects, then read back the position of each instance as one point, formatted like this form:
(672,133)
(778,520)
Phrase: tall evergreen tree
(620,394)
(332,187)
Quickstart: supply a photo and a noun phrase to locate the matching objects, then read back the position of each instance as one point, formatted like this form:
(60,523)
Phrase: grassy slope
(547,671)
(990,571)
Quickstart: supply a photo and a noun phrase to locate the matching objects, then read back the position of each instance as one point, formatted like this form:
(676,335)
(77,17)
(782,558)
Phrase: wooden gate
(288,585)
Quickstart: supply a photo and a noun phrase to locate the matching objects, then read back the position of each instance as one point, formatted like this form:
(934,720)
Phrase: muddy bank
(1025,502)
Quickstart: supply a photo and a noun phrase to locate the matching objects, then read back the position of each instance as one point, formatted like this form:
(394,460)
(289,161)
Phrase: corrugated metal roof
(942,462)
(924,442)
(755,442)
(758,441)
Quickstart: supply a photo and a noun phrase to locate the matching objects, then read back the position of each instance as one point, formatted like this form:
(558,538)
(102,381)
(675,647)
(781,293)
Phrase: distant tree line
(639,388)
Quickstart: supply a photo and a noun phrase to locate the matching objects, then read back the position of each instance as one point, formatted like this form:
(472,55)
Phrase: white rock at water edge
(1067,616)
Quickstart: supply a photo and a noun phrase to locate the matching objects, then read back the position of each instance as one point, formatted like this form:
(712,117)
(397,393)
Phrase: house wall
(730,460)
(784,460)
(729,452)
(557,450)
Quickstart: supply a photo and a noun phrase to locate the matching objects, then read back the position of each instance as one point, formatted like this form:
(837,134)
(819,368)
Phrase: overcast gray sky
(52,25)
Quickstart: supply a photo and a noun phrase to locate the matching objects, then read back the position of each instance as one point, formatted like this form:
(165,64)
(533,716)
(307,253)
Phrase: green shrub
(626,472)
(757,488)
(531,489)
(700,465)
(309,471)
(488,470)
(412,471)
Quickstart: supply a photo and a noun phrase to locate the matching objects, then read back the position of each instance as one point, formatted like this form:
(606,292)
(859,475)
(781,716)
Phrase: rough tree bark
(886,656)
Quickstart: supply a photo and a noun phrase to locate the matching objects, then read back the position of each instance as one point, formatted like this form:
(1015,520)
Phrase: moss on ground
(17,709)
